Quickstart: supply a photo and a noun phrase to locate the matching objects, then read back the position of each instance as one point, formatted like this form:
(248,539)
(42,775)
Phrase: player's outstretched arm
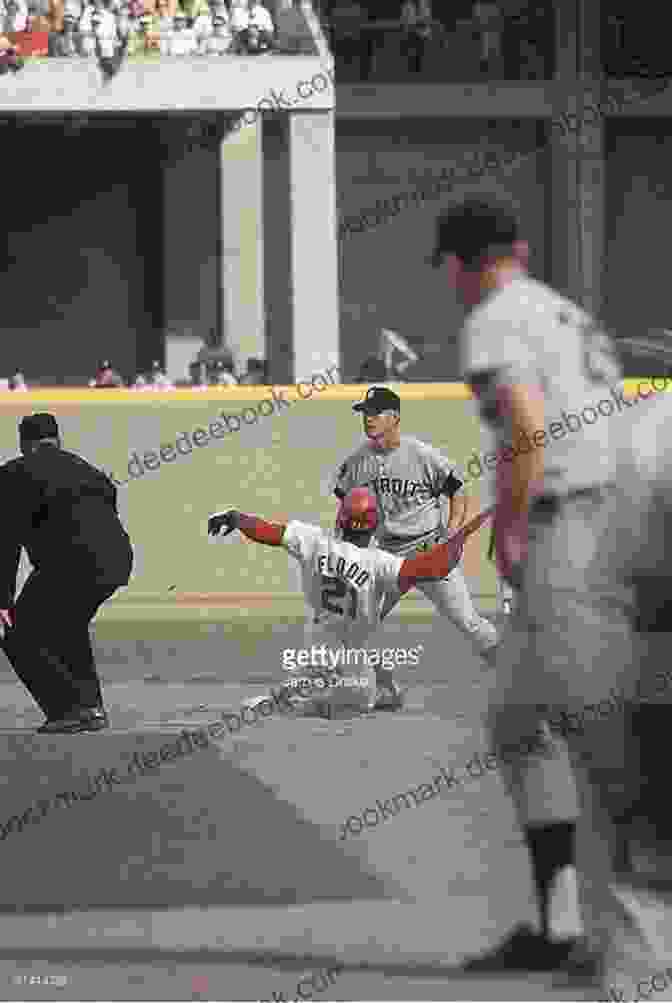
(222,523)
(440,560)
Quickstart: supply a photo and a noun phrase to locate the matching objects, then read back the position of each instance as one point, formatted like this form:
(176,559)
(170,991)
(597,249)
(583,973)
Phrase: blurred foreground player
(64,512)
(636,552)
(546,379)
(346,583)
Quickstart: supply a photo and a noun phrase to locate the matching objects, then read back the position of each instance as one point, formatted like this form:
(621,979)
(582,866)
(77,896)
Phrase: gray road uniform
(635,554)
(558,654)
(412,484)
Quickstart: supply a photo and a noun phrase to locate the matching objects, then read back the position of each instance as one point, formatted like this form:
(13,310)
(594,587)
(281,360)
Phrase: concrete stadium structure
(236,229)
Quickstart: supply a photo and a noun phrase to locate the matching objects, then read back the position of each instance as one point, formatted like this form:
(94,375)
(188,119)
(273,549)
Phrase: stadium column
(300,245)
(577,189)
(241,256)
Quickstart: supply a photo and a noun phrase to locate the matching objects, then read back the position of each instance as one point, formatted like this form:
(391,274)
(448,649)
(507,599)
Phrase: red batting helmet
(358,511)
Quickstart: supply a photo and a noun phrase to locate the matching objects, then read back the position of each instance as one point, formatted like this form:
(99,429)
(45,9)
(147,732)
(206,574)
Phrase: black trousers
(49,646)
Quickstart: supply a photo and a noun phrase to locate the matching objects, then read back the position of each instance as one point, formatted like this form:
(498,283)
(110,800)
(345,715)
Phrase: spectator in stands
(38,8)
(194,9)
(123,23)
(238,24)
(218,8)
(16,16)
(73,9)
(224,375)
(256,373)
(416,20)
(39,15)
(136,38)
(183,40)
(260,27)
(11,60)
(106,377)
(104,26)
(150,32)
(165,26)
(204,366)
(219,42)
(202,26)
(18,383)
(55,19)
(489,22)
(64,43)
(159,379)
(87,44)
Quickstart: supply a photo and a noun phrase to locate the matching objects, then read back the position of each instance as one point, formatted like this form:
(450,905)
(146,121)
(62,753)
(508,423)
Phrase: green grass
(278,468)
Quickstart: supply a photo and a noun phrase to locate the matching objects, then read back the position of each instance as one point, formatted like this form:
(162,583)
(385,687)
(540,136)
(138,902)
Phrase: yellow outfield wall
(179,455)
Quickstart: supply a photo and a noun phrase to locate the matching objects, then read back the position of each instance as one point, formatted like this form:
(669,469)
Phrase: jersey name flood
(355,574)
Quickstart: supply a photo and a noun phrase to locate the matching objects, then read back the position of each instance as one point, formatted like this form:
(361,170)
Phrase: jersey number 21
(339,597)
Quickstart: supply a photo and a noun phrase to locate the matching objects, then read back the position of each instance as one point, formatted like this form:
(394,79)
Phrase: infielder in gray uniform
(414,485)
(547,382)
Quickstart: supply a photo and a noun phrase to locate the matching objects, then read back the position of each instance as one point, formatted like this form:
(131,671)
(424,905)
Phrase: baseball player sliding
(347,583)
(413,484)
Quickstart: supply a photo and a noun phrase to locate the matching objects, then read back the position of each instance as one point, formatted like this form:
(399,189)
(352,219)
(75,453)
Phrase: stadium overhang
(273,83)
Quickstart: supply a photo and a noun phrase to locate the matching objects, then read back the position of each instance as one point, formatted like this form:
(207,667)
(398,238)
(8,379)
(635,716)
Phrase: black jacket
(64,512)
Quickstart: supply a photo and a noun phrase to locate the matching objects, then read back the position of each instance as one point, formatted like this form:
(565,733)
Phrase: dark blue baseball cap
(38,426)
(379,399)
(470,227)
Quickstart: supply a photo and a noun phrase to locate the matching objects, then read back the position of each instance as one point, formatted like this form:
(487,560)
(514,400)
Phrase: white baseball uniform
(345,588)
(409,483)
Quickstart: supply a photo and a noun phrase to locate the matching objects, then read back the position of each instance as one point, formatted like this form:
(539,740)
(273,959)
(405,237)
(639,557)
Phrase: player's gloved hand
(222,523)
(6,621)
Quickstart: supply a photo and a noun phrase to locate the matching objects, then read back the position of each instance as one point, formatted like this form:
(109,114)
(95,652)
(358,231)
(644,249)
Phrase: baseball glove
(222,523)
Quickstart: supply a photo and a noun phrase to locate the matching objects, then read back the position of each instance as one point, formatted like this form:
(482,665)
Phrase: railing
(393,51)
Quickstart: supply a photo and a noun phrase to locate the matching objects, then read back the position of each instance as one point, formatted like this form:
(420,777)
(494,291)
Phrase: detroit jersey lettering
(408,482)
(344,585)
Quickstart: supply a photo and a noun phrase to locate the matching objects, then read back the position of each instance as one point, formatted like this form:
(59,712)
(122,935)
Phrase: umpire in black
(64,512)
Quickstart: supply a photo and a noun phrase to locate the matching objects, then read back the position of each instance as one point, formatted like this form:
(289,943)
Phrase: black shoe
(77,721)
(583,966)
(95,719)
(524,950)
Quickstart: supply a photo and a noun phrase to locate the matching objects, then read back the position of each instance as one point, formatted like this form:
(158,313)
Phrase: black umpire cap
(38,426)
(377,400)
(467,230)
